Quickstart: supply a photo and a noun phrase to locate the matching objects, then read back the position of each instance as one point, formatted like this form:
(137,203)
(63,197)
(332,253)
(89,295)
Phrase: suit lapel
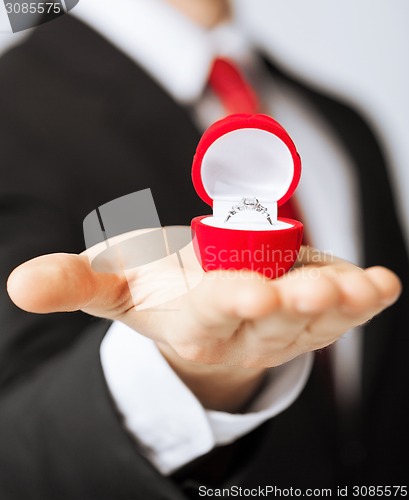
(382,236)
(138,135)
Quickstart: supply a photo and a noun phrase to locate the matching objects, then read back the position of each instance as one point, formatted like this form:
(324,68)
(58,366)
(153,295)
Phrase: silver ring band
(249,203)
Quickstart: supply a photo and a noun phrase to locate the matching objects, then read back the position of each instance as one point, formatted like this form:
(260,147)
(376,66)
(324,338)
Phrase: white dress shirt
(168,422)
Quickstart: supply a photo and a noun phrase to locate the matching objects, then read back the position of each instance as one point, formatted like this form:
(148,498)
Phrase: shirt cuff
(168,422)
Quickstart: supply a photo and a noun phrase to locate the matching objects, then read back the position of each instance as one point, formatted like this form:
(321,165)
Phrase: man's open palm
(227,317)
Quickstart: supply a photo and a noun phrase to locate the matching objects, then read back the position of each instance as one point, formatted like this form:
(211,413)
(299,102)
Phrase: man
(62,434)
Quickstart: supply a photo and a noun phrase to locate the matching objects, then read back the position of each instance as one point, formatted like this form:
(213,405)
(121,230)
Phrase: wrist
(218,387)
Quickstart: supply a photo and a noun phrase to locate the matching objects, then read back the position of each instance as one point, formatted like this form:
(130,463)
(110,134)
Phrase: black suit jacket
(80,125)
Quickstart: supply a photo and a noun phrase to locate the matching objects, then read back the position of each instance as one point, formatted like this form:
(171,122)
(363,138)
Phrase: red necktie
(238,96)
(233,90)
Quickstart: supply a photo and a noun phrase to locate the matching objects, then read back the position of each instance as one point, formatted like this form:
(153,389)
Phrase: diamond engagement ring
(248,203)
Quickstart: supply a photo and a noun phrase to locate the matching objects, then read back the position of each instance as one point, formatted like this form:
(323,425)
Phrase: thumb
(65,282)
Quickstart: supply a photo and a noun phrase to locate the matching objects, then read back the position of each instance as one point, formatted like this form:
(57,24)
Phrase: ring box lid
(246,155)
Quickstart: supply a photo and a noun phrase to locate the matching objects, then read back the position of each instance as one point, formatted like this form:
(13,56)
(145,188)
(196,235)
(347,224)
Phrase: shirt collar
(173,50)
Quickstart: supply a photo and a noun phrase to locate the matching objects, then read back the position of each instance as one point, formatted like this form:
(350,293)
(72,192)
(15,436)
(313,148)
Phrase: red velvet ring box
(239,160)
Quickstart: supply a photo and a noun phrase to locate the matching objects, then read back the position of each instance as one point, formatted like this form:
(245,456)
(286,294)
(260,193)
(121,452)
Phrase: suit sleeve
(35,218)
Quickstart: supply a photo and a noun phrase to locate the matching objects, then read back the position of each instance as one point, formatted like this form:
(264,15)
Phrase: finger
(307,291)
(368,292)
(364,295)
(212,314)
(65,282)
(387,284)
(301,299)
(227,298)
(303,296)
(360,296)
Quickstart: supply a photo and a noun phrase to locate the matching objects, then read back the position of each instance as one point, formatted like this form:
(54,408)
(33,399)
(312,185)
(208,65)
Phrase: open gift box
(245,167)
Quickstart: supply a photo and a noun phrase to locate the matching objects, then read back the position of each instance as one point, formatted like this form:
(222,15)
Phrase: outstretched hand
(228,318)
